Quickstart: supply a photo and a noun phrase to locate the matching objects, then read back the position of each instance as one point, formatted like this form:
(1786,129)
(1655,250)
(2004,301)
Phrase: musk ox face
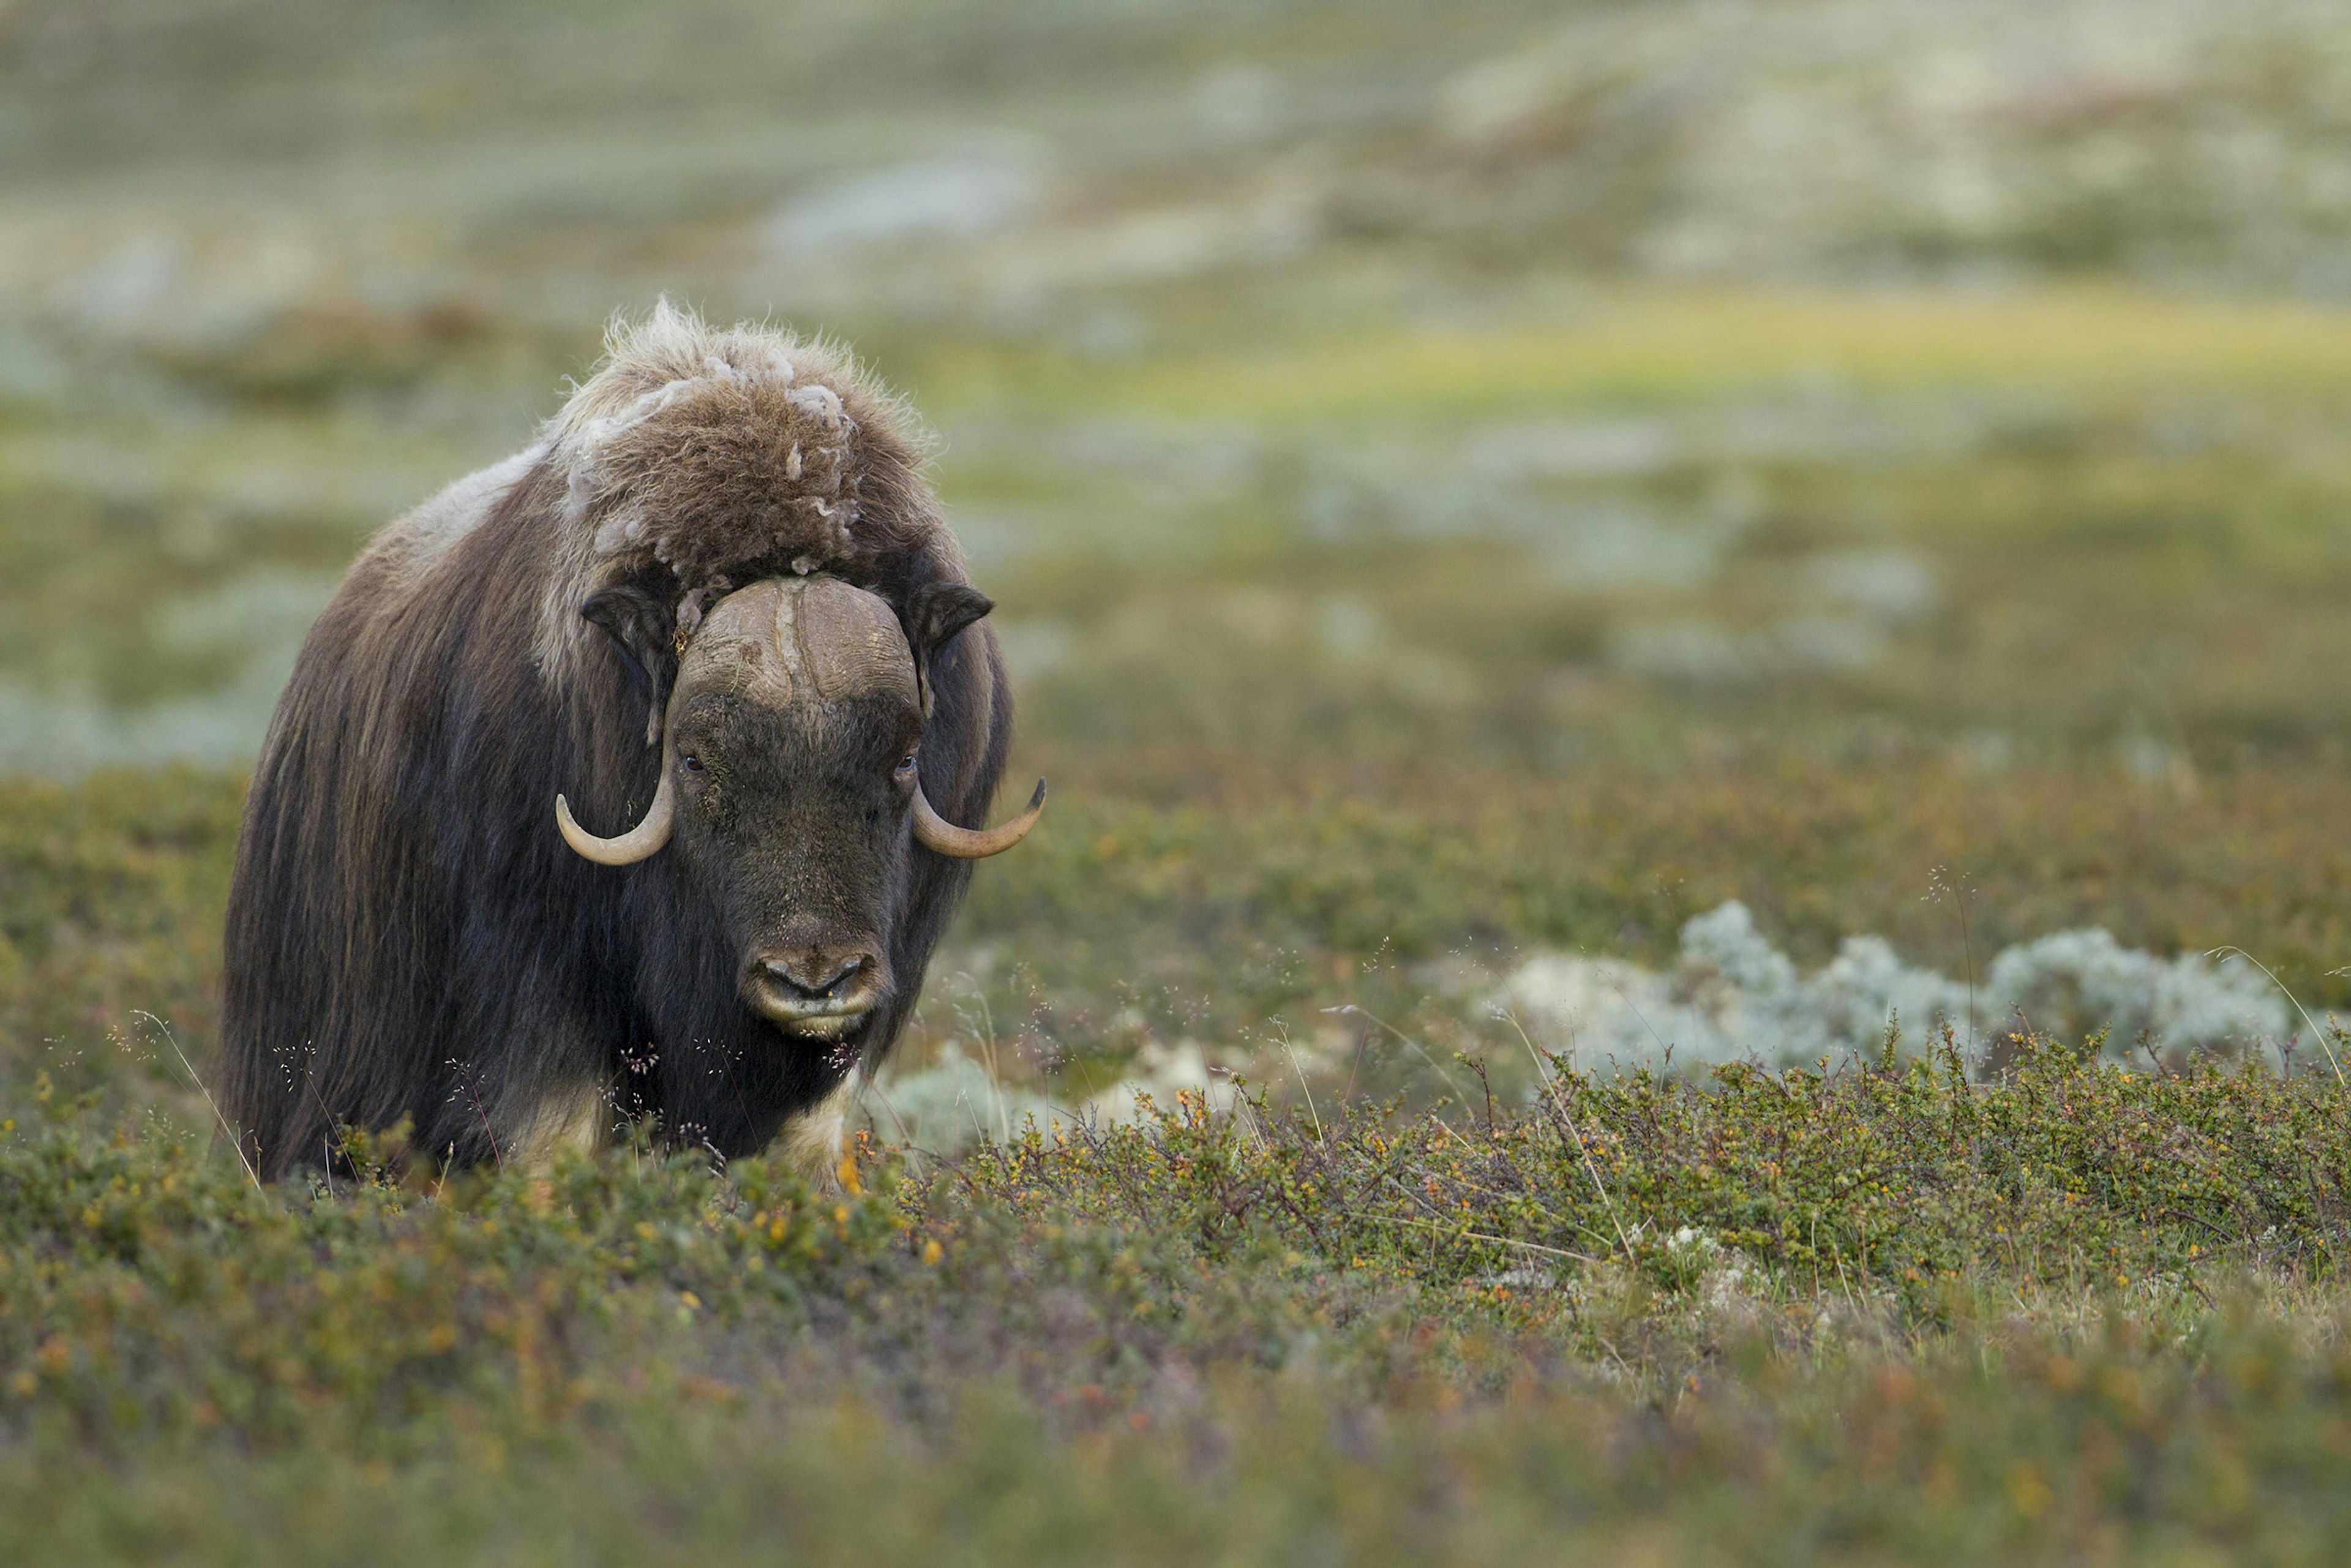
(794,738)
(793,824)
(790,796)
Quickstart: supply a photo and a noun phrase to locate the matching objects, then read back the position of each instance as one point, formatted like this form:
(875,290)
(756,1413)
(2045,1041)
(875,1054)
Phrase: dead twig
(1557,1102)
(2314,1029)
(234,1142)
(1481,1236)
(1351,1008)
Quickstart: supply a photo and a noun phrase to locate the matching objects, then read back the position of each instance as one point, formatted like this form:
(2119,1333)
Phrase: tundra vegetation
(1523,540)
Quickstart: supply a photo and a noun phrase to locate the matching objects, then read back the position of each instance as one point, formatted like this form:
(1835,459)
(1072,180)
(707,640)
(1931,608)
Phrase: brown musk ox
(713,612)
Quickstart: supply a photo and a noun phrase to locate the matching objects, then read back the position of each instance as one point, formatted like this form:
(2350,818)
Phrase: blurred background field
(1469,490)
(1461,483)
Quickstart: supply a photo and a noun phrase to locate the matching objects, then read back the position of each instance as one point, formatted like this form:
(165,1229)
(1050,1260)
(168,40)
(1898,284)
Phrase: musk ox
(713,612)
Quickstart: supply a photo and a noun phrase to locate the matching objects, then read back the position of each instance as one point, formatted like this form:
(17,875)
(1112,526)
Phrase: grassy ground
(1882,1314)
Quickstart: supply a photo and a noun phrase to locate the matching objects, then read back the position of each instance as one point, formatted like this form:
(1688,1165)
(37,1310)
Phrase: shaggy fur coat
(408,940)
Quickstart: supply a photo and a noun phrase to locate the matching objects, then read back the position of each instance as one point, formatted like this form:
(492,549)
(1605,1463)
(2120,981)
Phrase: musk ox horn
(638,842)
(936,833)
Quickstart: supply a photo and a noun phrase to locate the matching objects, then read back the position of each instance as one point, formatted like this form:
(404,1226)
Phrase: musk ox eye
(690,762)
(906,765)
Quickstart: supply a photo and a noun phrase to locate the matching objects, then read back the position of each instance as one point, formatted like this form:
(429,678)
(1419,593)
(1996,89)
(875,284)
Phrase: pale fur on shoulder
(723,455)
(409,545)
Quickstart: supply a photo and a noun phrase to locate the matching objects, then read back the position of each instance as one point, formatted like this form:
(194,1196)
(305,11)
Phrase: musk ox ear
(932,615)
(643,628)
(936,612)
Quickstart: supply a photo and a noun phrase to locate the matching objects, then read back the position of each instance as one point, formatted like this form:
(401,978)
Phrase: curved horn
(638,842)
(936,833)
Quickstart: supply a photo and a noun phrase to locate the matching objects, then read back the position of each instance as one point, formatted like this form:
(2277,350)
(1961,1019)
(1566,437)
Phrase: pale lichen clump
(1733,996)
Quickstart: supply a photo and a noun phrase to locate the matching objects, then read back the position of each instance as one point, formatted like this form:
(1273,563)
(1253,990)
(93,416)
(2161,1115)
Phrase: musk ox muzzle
(821,988)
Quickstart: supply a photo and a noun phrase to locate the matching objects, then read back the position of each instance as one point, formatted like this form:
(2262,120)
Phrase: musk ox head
(790,792)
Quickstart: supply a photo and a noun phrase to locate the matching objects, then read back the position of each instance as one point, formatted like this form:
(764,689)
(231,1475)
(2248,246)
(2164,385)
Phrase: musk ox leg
(578,1121)
(810,1140)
